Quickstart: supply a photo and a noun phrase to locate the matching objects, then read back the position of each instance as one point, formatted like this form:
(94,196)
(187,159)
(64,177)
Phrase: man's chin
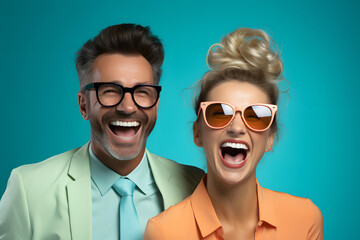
(127,155)
(118,151)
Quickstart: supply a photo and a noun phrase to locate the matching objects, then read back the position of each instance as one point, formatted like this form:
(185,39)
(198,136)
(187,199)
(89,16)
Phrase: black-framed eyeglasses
(111,94)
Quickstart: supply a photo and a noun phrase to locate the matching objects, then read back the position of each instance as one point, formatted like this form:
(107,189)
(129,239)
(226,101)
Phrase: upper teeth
(235,145)
(125,124)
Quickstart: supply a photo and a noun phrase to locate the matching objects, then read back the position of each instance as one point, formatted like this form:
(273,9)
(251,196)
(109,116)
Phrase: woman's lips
(233,153)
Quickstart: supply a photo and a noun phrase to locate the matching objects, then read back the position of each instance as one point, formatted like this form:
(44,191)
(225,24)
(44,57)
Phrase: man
(79,194)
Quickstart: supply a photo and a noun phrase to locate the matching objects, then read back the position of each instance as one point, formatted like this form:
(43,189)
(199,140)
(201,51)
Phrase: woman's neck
(235,205)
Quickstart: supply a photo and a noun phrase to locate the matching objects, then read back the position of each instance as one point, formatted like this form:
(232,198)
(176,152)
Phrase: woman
(236,125)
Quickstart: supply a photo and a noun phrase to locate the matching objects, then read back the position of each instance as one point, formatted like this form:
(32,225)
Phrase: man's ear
(197,136)
(270,142)
(83,105)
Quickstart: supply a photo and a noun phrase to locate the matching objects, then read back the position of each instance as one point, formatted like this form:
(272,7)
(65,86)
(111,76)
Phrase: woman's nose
(237,126)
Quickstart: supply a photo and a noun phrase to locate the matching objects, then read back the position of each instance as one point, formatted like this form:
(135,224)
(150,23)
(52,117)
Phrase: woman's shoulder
(293,210)
(171,223)
(183,208)
(288,202)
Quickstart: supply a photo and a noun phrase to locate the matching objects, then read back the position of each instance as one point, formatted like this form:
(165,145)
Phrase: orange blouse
(281,216)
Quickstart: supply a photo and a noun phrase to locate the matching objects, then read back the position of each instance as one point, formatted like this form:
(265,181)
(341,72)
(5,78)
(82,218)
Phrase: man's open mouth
(124,129)
(234,153)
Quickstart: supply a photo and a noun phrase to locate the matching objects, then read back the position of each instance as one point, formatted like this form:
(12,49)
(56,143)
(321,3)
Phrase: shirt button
(260,223)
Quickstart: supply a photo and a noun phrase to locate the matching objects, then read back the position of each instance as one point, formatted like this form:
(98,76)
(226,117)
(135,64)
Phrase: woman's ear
(270,142)
(197,136)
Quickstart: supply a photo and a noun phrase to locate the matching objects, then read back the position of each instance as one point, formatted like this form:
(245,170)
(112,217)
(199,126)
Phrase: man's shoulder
(57,162)
(175,181)
(54,169)
(49,177)
(37,196)
(177,169)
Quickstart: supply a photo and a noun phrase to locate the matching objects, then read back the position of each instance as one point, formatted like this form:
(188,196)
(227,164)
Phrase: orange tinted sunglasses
(257,117)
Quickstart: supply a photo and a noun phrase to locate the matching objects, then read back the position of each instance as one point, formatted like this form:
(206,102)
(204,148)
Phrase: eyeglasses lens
(258,117)
(218,114)
(110,95)
(145,96)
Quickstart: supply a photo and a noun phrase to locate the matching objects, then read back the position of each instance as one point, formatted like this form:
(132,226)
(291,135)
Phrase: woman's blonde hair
(247,55)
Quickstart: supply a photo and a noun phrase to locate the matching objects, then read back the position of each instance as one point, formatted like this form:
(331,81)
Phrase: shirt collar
(204,211)
(207,219)
(104,177)
(266,207)
(143,177)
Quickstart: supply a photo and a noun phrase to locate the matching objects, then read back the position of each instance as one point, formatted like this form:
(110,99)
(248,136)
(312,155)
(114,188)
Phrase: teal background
(316,155)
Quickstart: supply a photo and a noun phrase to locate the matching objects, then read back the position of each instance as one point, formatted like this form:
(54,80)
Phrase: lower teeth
(234,163)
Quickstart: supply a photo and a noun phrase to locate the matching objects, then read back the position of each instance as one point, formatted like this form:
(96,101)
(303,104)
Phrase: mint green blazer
(52,199)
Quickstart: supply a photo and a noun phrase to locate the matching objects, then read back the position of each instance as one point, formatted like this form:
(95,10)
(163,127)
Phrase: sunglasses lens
(258,117)
(218,114)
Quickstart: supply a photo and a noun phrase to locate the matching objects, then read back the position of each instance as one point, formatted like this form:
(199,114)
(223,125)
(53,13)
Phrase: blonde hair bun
(247,49)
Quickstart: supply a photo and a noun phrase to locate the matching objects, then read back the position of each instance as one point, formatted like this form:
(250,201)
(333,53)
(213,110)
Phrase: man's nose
(237,126)
(127,104)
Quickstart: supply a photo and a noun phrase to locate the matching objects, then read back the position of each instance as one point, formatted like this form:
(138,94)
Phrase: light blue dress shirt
(105,201)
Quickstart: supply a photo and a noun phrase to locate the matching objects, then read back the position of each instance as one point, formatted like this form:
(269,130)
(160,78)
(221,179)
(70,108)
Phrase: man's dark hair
(124,39)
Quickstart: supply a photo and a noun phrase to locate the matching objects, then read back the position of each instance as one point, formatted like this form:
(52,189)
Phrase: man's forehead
(123,69)
(120,57)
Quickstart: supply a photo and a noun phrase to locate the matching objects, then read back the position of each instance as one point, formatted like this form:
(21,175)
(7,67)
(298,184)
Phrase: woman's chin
(231,177)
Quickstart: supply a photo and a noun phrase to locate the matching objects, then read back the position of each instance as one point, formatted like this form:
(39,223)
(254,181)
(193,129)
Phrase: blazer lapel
(79,195)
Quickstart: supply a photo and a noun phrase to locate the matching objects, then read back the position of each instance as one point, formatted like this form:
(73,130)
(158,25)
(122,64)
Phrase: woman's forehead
(237,93)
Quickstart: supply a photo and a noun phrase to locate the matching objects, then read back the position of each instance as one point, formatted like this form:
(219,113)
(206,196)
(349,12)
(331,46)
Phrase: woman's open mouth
(234,154)
(125,129)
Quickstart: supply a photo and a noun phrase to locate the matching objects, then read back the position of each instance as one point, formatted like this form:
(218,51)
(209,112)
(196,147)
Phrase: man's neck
(122,167)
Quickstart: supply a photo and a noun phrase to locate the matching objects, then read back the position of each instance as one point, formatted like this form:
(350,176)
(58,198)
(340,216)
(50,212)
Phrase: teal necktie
(129,220)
